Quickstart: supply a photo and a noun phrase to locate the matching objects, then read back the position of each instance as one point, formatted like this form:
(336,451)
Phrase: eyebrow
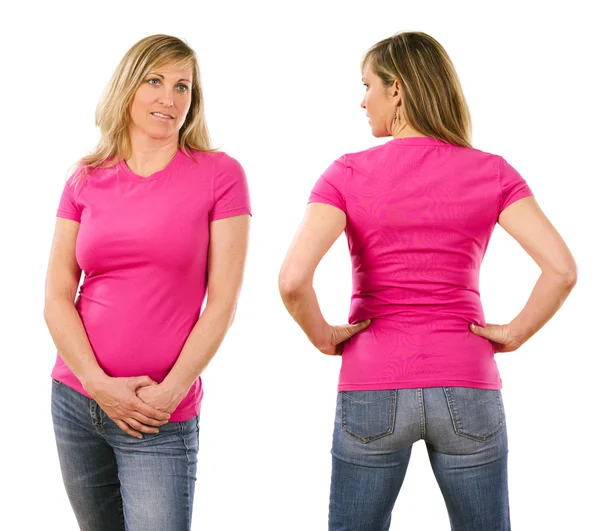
(161,76)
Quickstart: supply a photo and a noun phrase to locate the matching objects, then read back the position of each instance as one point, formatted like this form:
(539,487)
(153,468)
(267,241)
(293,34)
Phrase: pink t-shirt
(142,245)
(420,213)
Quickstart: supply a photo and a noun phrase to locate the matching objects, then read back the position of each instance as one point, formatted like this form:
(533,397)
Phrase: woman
(154,217)
(418,358)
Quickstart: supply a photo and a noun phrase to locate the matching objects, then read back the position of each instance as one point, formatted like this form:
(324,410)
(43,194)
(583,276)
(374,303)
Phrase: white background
(282,87)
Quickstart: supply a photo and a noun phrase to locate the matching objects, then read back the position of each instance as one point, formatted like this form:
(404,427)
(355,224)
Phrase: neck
(403,130)
(149,155)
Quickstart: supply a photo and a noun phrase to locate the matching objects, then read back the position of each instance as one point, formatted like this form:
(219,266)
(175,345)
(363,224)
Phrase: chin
(159,134)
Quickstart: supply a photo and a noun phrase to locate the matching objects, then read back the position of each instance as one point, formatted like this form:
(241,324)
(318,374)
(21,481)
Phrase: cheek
(143,97)
(376,102)
(372,103)
(184,103)
(183,107)
(134,109)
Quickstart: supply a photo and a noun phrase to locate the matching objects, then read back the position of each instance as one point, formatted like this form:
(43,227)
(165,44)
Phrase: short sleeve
(512,186)
(331,186)
(230,190)
(68,207)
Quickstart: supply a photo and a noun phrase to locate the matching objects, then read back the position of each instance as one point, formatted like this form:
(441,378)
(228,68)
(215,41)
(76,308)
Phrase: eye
(366,86)
(182,88)
(152,81)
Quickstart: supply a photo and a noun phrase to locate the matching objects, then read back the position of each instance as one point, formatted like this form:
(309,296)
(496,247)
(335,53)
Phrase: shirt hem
(231,213)
(325,201)
(382,386)
(68,215)
(518,196)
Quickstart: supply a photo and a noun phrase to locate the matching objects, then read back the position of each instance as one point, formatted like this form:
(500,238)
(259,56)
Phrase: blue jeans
(116,482)
(465,434)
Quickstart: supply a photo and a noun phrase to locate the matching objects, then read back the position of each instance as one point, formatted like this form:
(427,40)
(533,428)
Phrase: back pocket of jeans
(476,413)
(368,415)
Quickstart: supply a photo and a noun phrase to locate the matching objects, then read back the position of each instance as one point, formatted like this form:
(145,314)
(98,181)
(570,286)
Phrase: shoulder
(349,160)
(82,175)
(483,155)
(219,161)
(361,161)
(366,155)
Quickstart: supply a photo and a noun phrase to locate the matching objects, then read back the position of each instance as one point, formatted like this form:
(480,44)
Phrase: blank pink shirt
(420,213)
(142,245)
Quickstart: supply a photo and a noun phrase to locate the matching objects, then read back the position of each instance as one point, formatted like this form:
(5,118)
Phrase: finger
(142,381)
(148,421)
(490,332)
(480,331)
(149,411)
(355,328)
(140,427)
(127,429)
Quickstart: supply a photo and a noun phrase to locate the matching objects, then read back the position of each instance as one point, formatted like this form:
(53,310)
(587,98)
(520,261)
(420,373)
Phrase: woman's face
(161,102)
(379,102)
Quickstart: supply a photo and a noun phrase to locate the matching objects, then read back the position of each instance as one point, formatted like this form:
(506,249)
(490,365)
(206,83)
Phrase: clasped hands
(137,405)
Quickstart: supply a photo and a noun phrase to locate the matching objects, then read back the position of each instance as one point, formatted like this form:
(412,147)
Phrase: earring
(395,118)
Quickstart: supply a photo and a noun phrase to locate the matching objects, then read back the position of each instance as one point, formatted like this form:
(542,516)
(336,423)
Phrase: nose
(166,97)
(362,103)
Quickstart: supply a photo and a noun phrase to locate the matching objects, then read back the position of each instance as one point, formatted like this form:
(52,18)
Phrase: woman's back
(420,213)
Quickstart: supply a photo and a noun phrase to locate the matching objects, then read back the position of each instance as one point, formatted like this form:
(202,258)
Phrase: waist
(389,355)
(133,344)
(414,301)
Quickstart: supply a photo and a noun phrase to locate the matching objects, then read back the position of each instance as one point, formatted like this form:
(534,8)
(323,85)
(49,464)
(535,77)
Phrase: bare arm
(226,260)
(526,223)
(63,321)
(116,396)
(320,228)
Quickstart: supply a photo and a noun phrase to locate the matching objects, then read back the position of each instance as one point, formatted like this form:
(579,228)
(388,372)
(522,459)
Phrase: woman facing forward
(154,218)
(418,358)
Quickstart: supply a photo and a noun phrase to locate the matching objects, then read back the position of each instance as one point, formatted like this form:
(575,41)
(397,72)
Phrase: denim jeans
(465,435)
(116,482)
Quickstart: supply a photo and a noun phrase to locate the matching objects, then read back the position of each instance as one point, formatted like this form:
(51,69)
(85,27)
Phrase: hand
(160,397)
(502,337)
(338,335)
(117,398)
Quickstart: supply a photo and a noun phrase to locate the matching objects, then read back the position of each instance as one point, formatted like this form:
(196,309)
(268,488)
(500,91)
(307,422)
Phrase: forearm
(548,295)
(200,347)
(303,306)
(70,338)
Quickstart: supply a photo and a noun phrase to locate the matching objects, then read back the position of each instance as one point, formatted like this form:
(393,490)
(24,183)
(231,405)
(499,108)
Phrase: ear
(397,93)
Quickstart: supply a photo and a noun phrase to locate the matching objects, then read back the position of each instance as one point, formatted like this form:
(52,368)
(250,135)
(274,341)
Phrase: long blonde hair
(112,113)
(434,102)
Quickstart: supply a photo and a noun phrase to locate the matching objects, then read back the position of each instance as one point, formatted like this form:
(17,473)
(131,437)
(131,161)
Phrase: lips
(162,115)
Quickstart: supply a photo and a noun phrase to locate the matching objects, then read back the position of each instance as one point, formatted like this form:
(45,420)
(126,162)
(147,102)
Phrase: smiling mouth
(161,115)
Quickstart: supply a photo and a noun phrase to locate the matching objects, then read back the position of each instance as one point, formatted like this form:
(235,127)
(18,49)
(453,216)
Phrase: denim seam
(421,412)
(348,395)
(97,418)
(185,443)
(189,461)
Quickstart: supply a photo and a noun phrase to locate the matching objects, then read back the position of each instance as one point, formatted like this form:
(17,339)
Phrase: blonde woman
(154,217)
(418,357)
